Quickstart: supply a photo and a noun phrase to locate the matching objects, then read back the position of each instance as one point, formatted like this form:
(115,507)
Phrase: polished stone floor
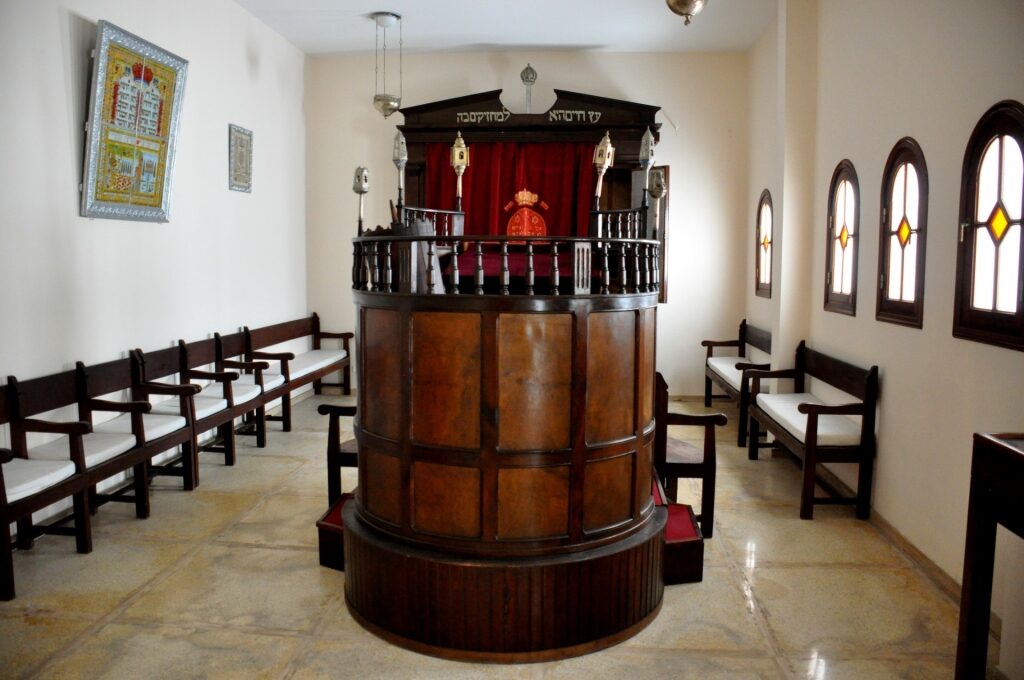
(224,582)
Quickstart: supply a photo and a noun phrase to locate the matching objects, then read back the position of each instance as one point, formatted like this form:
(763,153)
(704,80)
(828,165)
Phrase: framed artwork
(239,159)
(134,109)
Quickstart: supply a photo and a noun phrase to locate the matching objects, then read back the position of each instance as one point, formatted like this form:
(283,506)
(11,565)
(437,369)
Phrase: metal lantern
(686,8)
(384,102)
(646,158)
(657,192)
(460,161)
(361,185)
(400,156)
(604,156)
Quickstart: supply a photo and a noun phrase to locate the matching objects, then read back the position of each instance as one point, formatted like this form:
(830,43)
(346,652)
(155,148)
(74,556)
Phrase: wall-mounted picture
(239,159)
(132,128)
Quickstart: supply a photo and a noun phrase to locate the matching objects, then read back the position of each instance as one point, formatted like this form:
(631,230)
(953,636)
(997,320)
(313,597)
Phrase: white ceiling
(343,26)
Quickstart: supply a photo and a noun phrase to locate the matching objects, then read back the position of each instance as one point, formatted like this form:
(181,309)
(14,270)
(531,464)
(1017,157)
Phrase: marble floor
(224,582)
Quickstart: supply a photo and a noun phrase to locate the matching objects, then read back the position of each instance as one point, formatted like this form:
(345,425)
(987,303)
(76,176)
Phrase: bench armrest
(219,376)
(274,356)
(166,388)
(335,410)
(72,427)
(756,376)
(246,365)
(712,344)
(852,409)
(339,336)
(705,419)
(122,406)
(744,366)
(6,455)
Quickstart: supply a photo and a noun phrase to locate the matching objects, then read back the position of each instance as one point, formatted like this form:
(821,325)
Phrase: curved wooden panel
(383,486)
(380,410)
(534,380)
(446,379)
(608,492)
(611,342)
(446,499)
(647,343)
(533,503)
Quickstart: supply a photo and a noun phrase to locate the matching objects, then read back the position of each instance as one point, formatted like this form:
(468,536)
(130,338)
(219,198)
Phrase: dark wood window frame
(995,328)
(907,151)
(839,302)
(763,289)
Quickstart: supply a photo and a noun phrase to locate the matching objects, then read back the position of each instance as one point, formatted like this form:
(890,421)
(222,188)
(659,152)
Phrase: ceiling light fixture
(383,101)
(686,8)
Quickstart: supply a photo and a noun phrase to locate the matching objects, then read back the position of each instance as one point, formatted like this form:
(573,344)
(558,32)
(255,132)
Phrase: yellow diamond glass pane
(903,232)
(844,236)
(997,223)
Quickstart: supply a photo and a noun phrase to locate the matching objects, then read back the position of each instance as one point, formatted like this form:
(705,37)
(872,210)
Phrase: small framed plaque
(239,159)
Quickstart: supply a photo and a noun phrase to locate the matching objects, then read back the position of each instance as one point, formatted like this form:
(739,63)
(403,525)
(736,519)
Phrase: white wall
(705,95)
(928,70)
(89,289)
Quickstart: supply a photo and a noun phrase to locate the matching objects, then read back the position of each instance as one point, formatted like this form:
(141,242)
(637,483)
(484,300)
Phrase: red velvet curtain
(561,174)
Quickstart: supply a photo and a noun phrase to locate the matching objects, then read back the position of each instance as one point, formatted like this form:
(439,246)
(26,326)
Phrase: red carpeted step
(684,546)
(331,530)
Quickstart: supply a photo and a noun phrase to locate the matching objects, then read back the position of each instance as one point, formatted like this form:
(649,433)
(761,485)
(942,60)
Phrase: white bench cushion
(240,392)
(270,381)
(23,478)
(98,446)
(833,430)
(726,367)
(156,425)
(205,406)
(314,359)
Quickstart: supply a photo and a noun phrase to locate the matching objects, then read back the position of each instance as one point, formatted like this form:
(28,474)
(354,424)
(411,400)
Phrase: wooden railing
(446,264)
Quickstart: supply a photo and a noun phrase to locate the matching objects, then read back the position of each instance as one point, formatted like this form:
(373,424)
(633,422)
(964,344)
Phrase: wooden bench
(728,371)
(300,369)
(817,432)
(27,486)
(229,354)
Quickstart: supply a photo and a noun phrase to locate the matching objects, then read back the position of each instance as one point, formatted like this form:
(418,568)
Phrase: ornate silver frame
(239,159)
(151,164)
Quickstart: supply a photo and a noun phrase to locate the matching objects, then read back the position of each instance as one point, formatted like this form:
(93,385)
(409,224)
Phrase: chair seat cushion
(156,425)
(313,360)
(24,478)
(726,367)
(205,406)
(678,451)
(98,446)
(833,430)
(240,392)
(270,381)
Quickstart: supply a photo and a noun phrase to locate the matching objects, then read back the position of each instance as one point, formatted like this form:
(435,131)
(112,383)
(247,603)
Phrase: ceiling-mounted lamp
(385,102)
(686,8)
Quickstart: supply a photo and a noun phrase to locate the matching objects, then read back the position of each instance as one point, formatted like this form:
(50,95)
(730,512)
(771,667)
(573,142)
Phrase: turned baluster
(455,267)
(636,268)
(504,267)
(554,268)
(387,267)
(479,268)
(623,270)
(357,265)
(430,267)
(529,268)
(642,274)
(606,273)
(373,267)
(656,269)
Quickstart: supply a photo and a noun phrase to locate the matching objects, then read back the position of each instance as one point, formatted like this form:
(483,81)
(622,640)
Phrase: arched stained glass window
(763,246)
(902,238)
(990,262)
(843,236)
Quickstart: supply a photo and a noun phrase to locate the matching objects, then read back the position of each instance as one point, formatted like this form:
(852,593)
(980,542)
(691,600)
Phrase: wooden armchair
(675,459)
(29,485)
(339,454)
(249,391)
